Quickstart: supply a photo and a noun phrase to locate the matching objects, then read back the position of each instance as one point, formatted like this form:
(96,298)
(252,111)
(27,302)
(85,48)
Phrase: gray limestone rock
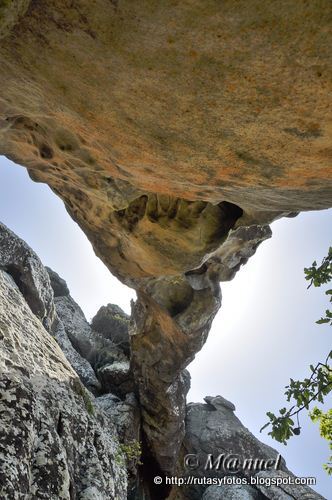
(232,492)
(213,428)
(216,437)
(81,365)
(284,491)
(60,288)
(125,415)
(38,286)
(55,443)
(112,323)
(116,377)
(108,361)
(29,274)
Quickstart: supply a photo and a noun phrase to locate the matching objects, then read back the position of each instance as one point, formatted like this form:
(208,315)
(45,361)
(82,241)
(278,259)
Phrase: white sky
(264,334)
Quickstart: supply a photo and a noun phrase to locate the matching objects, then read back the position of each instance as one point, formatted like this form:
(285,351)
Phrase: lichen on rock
(51,446)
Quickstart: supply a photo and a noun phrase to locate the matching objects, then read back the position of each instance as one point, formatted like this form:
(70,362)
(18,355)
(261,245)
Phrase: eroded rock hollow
(174,132)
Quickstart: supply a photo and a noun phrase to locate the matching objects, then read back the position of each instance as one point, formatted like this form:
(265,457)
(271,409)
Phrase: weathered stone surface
(108,361)
(174,319)
(147,106)
(58,441)
(285,491)
(116,377)
(174,132)
(239,246)
(34,281)
(81,365)
(54,444)
(59,286)
(10,13)
(112,323)
(125,414)
(232,492)
(216,102)
(18,260)
(213,428)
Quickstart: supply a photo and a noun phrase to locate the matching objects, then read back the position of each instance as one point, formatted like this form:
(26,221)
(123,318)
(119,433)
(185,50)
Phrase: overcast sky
(264,334)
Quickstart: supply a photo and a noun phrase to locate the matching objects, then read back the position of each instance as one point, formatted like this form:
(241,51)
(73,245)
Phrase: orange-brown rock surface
(137,106)
(174,132)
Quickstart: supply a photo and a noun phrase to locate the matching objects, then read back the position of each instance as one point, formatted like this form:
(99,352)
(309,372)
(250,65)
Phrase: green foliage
(313,388)
(129,452)
(321,276)
(325,429)
(88,403)
(121,319)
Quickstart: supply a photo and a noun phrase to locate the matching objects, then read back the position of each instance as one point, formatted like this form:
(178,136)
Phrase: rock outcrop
(107,360)
(54,442)
(104,441)
(232,492)
(214,102)
(59,286)
(174,133)
(18,260)
(112,323)
(163,126)
(218,445)
(58,441)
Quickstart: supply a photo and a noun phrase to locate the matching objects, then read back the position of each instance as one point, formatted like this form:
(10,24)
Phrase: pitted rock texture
(147,119)
(57,441)
(174,132)
(18,260)
(215,102)
(171,318)
(239,246)
(54,443)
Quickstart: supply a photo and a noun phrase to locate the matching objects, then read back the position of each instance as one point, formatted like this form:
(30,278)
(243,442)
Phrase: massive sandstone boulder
(163,124)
